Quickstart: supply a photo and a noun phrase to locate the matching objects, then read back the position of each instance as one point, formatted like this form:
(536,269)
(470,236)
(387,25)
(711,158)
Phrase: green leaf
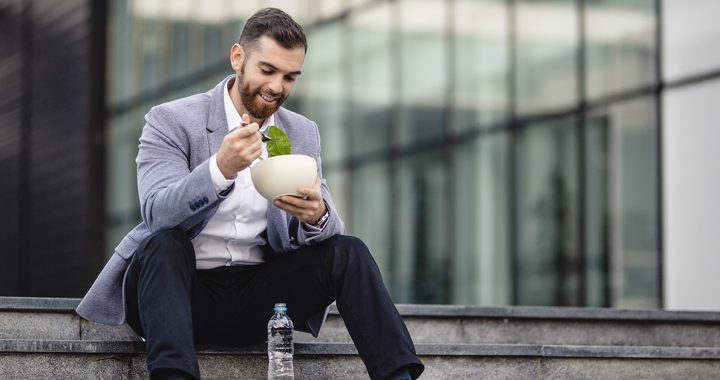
(279,143)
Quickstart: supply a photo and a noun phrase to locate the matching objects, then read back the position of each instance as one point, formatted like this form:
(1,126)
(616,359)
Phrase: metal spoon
(263,136)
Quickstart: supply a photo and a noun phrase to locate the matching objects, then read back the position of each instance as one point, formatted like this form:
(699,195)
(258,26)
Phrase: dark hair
(276,24)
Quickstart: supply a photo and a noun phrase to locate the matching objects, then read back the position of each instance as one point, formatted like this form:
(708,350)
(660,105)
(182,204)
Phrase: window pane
(481,62)
(634,256)
(423,256)
(621,57)
(424,69)
(371,210)
(322,89)
(372,86)
(547,40)
(481,273)
(597,182)
(547,215)
(690,33)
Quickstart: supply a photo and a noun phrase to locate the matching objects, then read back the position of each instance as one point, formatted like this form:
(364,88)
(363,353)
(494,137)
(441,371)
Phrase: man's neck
(237,102)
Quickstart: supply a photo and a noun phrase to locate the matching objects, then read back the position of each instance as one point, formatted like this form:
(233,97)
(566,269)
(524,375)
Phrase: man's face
(267,76)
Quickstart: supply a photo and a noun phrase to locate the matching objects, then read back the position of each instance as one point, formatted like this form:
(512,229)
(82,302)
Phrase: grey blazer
(176,191)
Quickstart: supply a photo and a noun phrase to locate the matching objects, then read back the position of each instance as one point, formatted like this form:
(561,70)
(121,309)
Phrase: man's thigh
(234,305)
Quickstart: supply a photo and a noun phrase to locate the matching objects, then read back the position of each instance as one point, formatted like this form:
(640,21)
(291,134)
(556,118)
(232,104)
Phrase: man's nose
(276,84)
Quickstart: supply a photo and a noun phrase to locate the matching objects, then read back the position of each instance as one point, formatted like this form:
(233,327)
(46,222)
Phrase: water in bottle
(280,345)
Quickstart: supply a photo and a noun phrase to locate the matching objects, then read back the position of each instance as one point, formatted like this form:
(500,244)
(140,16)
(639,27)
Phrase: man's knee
(351,248)
(167,246)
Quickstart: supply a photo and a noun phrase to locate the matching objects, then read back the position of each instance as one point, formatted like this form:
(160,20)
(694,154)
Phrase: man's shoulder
(189,107)
(293,118)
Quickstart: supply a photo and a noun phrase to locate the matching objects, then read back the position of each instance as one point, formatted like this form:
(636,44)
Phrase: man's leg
(342,269)
(158,291)
(368,311)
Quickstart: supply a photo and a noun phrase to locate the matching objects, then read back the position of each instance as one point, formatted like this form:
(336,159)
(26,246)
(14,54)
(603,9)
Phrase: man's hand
(308,209)
(239,148)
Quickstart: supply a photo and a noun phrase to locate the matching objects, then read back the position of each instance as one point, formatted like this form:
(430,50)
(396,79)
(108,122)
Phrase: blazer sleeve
(171,194)
(334,225)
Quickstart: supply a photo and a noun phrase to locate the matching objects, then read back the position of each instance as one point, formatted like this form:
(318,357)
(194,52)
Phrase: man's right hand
(239,148)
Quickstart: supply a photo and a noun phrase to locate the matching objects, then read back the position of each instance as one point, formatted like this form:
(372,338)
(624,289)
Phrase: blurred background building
(490,152)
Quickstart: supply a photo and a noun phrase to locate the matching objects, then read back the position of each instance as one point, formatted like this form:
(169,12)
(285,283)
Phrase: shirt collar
(233,117)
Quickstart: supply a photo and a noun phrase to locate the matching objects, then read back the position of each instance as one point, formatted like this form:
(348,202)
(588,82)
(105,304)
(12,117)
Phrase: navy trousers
(176,307)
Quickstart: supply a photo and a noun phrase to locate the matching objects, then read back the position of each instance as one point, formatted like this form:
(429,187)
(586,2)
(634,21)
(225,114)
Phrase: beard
(249,98)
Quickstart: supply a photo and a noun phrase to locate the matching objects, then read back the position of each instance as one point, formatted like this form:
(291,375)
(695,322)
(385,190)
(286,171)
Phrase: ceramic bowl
(283,175)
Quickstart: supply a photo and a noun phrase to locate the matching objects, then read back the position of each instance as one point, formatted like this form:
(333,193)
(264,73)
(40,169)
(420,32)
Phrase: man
(211,256)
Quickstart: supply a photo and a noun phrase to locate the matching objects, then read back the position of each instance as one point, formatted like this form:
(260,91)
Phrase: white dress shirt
(232,236)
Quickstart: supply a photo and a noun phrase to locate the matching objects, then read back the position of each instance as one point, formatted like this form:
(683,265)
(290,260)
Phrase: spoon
(263,136)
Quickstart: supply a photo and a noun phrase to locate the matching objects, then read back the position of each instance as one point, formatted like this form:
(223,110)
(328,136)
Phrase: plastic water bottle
(280,345)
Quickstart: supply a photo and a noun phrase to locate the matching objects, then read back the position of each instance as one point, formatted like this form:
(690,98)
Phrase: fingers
(246,131)
(307,209)
(239,149)
(304,210)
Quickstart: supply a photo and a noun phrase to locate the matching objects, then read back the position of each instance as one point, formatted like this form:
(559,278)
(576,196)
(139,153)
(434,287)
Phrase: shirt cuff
(221,183)
(323,223)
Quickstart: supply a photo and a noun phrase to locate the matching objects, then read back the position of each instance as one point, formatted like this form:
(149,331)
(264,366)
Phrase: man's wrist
(323,218)
(220,182)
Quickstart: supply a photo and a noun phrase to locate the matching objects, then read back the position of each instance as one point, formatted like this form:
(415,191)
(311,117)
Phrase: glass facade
(489,152)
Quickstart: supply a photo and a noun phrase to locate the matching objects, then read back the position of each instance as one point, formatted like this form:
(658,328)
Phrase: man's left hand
(308,209)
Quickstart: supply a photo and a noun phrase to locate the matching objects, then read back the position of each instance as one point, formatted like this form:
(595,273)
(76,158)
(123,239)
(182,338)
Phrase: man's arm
(171,194)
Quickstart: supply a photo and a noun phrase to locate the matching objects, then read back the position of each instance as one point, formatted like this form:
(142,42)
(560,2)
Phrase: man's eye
(266,71)
(290,79)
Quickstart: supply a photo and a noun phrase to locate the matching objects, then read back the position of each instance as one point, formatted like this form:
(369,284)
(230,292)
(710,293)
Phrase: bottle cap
(280,307)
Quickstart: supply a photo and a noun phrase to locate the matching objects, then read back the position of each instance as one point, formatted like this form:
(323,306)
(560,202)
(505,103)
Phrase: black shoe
(171,374)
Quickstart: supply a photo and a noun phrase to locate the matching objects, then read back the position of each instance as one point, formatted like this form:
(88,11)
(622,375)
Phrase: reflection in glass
(481,63)
(423,254)
(596,178)
(321,88)
(547,41)
(370,218)
(621,205)
(481,268)
(634,204)
(423,61)
(547,215)
(372,85)
(621,57)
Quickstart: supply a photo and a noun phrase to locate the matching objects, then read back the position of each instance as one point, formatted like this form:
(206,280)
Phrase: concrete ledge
(510,312)
(542,312)
(340,349)
(38,304)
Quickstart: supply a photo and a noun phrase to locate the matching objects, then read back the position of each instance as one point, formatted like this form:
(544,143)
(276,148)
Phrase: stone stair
(42,338)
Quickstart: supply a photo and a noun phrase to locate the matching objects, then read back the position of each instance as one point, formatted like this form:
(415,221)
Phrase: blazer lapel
(217,126)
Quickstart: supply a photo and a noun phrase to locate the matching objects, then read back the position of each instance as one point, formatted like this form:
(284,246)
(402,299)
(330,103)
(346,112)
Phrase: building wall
(51,128)
(489,152)
(690,134)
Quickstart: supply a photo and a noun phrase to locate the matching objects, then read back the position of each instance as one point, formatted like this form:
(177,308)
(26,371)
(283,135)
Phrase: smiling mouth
(268,98)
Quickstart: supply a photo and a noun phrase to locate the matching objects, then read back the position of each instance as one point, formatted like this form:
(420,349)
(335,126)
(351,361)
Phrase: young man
(211,256)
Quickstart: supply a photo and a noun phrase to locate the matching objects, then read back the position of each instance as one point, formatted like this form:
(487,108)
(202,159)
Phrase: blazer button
(192,207)
(205,200)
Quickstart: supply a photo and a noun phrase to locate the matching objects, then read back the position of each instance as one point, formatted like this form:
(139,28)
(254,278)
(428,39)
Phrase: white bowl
(283,175)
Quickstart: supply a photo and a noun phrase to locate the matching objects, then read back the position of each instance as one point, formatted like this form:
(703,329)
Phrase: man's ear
(237,56)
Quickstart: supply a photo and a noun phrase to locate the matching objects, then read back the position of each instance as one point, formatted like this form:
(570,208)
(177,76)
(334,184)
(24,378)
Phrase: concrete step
(74,359)
(54,319)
